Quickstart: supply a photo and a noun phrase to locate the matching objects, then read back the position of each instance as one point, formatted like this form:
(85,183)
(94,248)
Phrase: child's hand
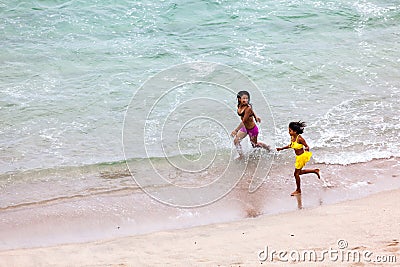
(258,119)
(233,133)
(278,149)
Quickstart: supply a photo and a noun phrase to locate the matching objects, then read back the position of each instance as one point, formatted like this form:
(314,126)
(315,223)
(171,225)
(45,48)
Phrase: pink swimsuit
(252,132)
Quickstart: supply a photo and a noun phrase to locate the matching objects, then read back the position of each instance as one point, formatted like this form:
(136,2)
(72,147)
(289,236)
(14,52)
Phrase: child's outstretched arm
(282,148)
(234,132)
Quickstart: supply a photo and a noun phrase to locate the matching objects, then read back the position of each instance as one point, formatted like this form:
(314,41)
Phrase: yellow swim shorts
(302,159)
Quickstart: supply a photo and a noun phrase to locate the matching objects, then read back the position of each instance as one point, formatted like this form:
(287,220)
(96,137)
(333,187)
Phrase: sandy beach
(355,233)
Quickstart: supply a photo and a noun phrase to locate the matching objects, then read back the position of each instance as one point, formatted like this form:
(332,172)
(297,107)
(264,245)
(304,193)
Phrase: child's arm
(247,113)
(258,119)
(234,132)
(302,141)
(282,148)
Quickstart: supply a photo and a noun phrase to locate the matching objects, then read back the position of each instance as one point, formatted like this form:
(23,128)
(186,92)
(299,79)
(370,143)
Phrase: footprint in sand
(393,246)
(252,213)
(359,248)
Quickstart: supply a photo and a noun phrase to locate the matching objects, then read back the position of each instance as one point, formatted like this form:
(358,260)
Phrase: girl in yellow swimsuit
(301,149)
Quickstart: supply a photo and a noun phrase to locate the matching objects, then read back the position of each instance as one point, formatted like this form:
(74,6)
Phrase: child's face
(291,132)
(244,99)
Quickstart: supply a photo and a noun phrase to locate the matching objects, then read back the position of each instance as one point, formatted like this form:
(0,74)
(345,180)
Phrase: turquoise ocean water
(69,71)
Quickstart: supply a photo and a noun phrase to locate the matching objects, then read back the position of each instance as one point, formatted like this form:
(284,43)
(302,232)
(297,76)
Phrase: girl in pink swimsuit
(248,125)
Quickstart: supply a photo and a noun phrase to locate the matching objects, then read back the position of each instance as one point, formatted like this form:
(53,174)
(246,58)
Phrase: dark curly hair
(297,126)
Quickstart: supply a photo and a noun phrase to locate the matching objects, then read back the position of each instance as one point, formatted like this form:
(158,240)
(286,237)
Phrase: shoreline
(125,213)
(368,224)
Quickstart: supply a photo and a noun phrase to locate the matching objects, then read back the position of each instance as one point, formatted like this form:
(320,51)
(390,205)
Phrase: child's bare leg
(316,171)
(255,143)
(297,177)
(263,145)
(253,140)
(238,138)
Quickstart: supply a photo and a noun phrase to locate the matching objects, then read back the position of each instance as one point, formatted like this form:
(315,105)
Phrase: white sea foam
(68,77)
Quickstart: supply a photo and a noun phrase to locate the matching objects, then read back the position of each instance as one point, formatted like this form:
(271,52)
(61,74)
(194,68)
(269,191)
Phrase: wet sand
(93,223)
(369,226)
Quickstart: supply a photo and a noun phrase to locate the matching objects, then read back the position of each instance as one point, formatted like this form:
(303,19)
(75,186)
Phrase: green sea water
(69,70)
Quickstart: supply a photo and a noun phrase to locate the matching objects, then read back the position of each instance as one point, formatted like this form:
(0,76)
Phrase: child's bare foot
(317,173)
(295,193)
(240,157)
